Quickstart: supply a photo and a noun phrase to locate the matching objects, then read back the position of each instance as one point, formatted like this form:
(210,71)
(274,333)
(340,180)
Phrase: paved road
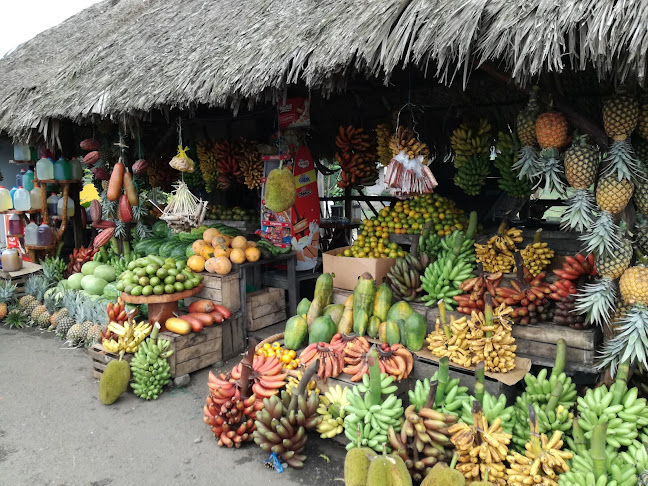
(55,431)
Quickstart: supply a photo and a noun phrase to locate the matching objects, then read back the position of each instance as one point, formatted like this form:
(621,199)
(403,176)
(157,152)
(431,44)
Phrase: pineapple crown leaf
(631,341)
(528,163)
(621,162)
(597,301)
(120,229)
(603,237)
(580,212)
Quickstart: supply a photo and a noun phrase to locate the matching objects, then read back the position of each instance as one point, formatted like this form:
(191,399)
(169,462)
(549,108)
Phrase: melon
(239,242)
(222,250)
(223,266)
(252,254)
(88,268)
(74,281)
(219,240)
(210,234)
(93,285)
(105,272)
(237,256)
(196,263)
(198,245)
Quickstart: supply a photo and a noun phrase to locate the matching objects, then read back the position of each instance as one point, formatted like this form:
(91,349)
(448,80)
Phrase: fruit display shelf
(161,307)
(247,227)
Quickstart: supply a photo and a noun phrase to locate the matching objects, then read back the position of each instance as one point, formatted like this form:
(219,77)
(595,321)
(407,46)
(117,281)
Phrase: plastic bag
(181,161)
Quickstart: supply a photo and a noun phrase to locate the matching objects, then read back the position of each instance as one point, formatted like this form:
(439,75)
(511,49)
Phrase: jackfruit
(401,471)
(114,381)
(280,190)
(356,466)
(442,475)
(388,471)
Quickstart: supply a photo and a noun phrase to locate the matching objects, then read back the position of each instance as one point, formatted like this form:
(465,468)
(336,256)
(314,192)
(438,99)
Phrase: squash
(198,245)
(210,234)
(363,298)
(295,333)
(223,265)
(345,326)
(196,263)
(321,297)
(382,301)
(252,254)
(179,326)
(237,256)
(322,330)
(239,242)
(130,189)
(415,331)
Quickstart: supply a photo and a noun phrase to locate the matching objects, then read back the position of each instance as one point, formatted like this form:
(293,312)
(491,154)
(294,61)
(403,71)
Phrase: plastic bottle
(16,226)
(13,192)
(44,235)
(28,180)
(6,202)
(21,152)
(45,169)
(76,171)
(52,204)
(11,260)
(31,234)
(62,170)
(22,199)
(19,177)
(70,207)
(35,196)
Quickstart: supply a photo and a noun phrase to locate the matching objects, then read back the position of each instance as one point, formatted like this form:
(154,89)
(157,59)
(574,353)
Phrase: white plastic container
(70,207)
(35,195)
(22,199)
(31,234)
(44,169)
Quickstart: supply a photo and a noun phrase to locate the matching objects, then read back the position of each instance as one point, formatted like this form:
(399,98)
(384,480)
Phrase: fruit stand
(163,307)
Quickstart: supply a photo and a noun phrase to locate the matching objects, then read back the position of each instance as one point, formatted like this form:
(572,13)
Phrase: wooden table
(161,307)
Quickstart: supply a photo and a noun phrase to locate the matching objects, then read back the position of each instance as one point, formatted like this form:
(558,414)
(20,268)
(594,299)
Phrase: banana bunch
(475,289)
(228,163)
(492,408)
(482,448)
(537,255)
(404,277)
(129,336)
(451,341)
(543,459)
(356,156)
(150,368)
(454,398)
(538,388)
(406,141)
(368,413)
(293,383)
(459,239)
(251,164)
(490,338)
(208,163)
(436,246)
(442,278)
(508,147)
(497,254)
(383,136)
(471,145)
(637,456)
(331,408)
(471,176)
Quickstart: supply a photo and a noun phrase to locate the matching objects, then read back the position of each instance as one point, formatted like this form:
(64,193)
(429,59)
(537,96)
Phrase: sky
(23,19)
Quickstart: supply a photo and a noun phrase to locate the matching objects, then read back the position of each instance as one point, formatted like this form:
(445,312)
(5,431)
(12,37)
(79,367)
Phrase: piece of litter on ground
(199,439)
(326,458)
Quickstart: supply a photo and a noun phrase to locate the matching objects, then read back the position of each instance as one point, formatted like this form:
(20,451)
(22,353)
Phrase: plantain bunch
(208,163)
(384,133)
(508,147)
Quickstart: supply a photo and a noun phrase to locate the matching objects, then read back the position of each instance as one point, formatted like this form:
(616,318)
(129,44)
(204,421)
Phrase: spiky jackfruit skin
(280,193)
(114,381)
(442,475)
(356,466)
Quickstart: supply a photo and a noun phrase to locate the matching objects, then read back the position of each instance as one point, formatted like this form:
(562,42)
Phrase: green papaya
(345,326)
(382,332)
(382,301)
(322,330)
(392,332)
(374,325)
(335,311)
(321,297)
(303,306)
(363,298)
(360,322)
(296,332)
(400,310)
(415,331)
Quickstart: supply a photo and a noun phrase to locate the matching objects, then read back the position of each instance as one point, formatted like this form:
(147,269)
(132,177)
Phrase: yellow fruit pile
(373,247)
(216,252)
(287,356)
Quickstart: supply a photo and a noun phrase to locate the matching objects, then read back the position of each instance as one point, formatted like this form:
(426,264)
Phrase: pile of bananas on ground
(404,277)
(208,164)
(407,142)
(508,147)
(476,288)
(497,254)
(357,158)
(482,448)
(331,408)
(369,415)
(251,164)
(384,134)
(150,368)
(129,336)
(471,143)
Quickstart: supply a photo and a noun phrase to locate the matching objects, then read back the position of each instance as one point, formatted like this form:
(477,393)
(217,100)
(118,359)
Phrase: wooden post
(348,210)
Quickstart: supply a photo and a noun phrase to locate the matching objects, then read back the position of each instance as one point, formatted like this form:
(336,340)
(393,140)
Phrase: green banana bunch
(508,147)
(441,279)
(368,414)
(538,389)
(471,176)
(637,456)
(149,366)
(331,408)
(492,408)
(467,247)
(429,242)
(470,139)
(454,396)
(404,277)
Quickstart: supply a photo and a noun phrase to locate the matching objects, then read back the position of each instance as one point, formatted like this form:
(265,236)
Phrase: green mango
(296,332)
(415,331)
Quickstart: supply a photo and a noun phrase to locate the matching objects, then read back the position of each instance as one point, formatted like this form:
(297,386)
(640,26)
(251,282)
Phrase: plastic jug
(19,177)
(44,235)
(6,202)
(11,260)
(16,226)
(62,170)
(22,199)
(45,169)
(22,152)
(28,180)
(52,204)
(76,171)
(35,196)
(31,234)
(70,207)
(13,192)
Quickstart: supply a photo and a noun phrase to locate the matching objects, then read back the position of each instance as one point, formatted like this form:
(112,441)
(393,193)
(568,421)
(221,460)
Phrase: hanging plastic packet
(181,161)
(273,462)
(405,177)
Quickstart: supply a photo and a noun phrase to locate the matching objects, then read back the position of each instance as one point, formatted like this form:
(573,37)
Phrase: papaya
(363,298)
(392,332)
(321,297)
(382,332)
(345,326)
(322,330)
(374,325)
(382,301)
(415,331)
(335,311)
(401,330)
(400,310)
(303,306)
(296,332)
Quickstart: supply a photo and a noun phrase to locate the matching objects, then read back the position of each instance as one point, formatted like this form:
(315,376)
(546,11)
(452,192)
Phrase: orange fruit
(252,254)
(196,263)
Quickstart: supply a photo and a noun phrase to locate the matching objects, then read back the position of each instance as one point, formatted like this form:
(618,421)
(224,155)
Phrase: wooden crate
(212,345)
(20,277)
(100,359)
(538,343)
(265,307)
(220,289)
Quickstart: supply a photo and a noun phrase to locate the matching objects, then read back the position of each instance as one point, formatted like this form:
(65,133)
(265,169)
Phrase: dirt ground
(55,431)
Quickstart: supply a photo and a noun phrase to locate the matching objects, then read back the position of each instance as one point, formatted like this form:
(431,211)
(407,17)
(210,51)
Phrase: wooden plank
(208,347)
(234,337)
(544,350)
(267,320)
(197,364)
(194,338)
(265,309)
(264,296)
(550,333)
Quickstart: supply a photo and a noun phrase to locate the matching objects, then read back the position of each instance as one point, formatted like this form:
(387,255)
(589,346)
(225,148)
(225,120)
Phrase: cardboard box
(346,270)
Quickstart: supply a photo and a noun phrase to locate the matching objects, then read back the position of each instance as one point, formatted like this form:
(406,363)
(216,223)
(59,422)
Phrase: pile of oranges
(287,356)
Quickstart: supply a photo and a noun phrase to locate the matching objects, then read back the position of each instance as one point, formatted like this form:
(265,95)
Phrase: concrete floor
(55,431)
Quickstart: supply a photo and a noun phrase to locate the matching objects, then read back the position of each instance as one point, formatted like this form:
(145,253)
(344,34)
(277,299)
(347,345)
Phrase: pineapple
(35,288)
(26,301)
(580,212)
(640,196)
(551,130)
(7,296)
(550,170)
(44,320)
(64,319)
(16,319)
(613,266)
(75,335)
(641,233)
(620,115)
(93,335)
(581,164)
(37,312)
(526,120)
(634,285)
(613,195)
(642,125)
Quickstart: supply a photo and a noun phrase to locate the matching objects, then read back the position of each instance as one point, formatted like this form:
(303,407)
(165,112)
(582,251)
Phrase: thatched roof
(126,58)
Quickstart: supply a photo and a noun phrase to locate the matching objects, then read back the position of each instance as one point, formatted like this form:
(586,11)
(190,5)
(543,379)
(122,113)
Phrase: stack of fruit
(219,212)
(476,288)
(404,276)
(208,164)
(357,158)
(150,367)
(287,356)
(154,275)
(129,336)
(497,254)
(332,409)
(384,134)
(472,145)
(216,252)
(370,246)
